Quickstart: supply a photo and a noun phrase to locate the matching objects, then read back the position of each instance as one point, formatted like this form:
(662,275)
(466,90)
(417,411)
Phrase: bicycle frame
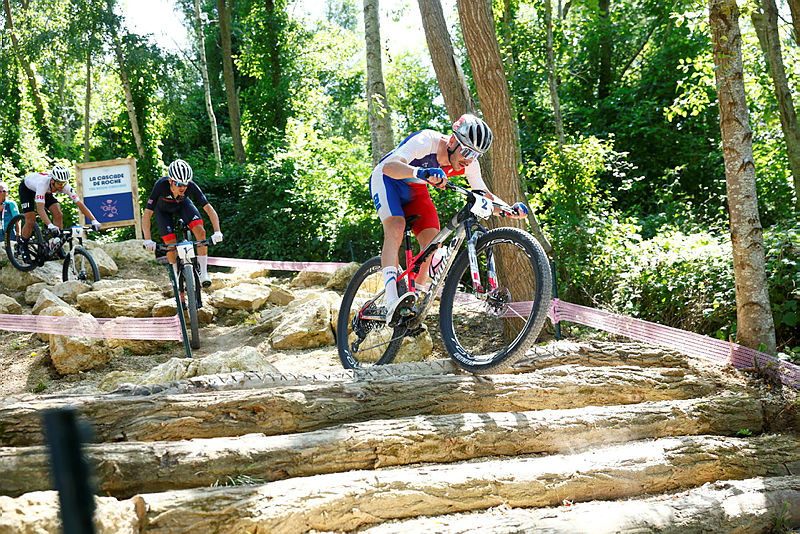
(461,225)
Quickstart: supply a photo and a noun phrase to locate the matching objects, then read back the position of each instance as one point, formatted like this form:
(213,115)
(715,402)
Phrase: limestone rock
(73,354)
(32,292)
(415,349)
(127,250)
(306,324)
(105,263)
(69,291)
(341,277)
(9,305)
(57,311)
(167,308)
(268,321)
(280,296)
(241,297)
(12,278)
(121,298)
(310,278)
(240,359)
(47,299)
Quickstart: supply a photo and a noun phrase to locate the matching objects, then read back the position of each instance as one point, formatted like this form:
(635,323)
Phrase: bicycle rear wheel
(83,268)
(489,331)
(24,255)
(190,285)
(362,337)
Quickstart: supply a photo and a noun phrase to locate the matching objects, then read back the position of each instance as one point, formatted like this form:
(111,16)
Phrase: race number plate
(185,251)
(483,207)
(77,231)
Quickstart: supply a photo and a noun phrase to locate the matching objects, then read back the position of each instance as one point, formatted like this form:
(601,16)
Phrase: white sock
(202,261)
(390,282)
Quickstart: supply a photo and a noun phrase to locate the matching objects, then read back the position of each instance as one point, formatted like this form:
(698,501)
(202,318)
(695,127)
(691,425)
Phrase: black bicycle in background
(27,254)
(189,288)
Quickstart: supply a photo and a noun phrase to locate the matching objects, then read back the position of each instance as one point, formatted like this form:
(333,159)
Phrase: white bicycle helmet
(60,174)
(180,172)
(473,133)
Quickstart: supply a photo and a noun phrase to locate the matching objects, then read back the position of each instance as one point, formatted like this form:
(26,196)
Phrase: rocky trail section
(264,432)
(413,447)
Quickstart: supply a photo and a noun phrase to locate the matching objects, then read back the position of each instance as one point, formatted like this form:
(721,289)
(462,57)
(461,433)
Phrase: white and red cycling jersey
(39,183)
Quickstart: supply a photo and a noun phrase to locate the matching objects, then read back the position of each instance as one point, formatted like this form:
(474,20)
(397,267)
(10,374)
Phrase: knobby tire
(83,269)
(484,339)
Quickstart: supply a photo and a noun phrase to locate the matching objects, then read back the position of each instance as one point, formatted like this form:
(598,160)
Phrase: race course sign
(110,189)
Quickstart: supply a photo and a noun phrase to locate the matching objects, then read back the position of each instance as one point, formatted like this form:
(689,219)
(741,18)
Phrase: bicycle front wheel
(488,330)
(362,336)
(24,254)
(82,268)
(190,285)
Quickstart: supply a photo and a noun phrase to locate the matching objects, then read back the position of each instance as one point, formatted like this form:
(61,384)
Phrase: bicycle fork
(491,270)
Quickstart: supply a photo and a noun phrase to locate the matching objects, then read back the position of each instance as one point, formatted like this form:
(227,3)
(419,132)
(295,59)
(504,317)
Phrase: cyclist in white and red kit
(36,196)
(399,188)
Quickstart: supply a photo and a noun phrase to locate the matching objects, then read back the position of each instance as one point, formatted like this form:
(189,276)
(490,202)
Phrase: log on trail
(752,505)
(592,354)
(311,407)
(345,501)
(123,469)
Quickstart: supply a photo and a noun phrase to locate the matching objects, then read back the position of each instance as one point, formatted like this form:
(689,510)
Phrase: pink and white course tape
(147,328)
(704,347)
(318,266)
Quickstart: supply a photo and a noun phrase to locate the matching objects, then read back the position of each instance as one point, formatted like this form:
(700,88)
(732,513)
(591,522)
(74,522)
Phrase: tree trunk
(212,118)
(766,25)
(41,119)
(794,7)
(552,74)
(276,69)
(347,501)
(126,86)
(380,119)
(606,50)
(124,469)
(304,408)
(477,25)
(753,314)
(230,81)
(87,108)
(452,82)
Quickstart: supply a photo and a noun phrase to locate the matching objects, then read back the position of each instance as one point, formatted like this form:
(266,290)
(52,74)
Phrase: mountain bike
(27,254)
(495,293)
(189,290)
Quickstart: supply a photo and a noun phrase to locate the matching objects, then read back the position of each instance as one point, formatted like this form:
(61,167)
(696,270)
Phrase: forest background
(633,199)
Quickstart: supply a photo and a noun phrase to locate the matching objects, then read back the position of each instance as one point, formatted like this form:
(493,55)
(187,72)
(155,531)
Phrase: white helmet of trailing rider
(473,134)
(60,174)
(180,172)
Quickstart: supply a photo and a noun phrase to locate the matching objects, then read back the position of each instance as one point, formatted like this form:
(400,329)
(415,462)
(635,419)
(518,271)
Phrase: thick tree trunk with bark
(380,117)
(794,8)
(605,75)
(212,118)
(124,469)
(552,75)
(126,86)
(452,82)
(765,22)
(753,313)
(358,498)
(310,407)
(223,11)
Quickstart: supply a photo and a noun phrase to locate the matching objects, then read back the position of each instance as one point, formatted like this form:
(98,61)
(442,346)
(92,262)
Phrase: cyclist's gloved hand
(95,225)
(216,237)
(435,176)
(149,244)
(53,229)
(520,209)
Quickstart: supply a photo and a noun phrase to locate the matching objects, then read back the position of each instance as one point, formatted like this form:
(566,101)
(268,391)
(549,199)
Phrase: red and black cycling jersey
(162,199)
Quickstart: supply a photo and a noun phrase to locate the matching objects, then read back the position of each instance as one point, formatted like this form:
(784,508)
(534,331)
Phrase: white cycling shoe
(205,280)
(401,306)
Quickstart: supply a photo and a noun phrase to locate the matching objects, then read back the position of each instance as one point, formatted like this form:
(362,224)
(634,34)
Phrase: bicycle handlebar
(505,209)
(165,247)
